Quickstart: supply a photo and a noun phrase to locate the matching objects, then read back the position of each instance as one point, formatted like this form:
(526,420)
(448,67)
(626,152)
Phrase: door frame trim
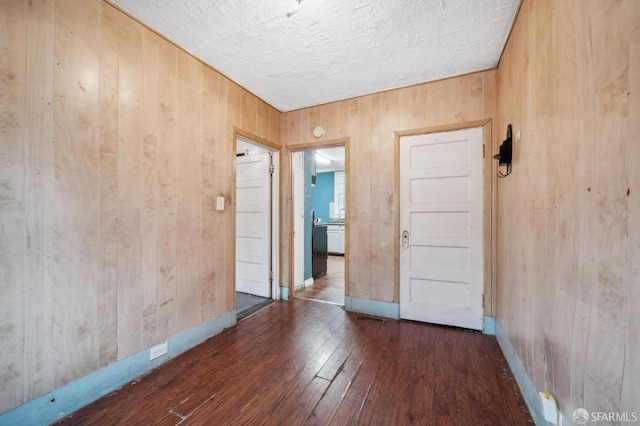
(305,147)
(489,202)
(276,209)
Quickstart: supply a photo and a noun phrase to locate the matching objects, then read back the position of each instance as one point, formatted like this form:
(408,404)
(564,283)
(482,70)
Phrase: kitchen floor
(328,288)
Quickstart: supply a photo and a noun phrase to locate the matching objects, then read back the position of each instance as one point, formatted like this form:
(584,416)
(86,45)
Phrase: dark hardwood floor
(329,287)
(301,362)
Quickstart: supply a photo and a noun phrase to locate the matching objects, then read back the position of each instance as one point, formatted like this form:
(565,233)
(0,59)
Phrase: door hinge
(271,278)
(483,151)
(272,167)
(483,301)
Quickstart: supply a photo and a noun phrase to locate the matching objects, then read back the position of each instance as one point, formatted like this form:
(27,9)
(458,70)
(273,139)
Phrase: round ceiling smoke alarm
(318,132)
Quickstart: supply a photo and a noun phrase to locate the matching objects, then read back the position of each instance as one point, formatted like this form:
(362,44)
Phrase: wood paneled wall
(369,123)
(114,144)
(568,275)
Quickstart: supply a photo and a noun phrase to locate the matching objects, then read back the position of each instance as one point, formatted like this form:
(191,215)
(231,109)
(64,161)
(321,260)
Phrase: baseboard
(309,282)
(69,398)
(524,382)
(372,307)
(489,325)
(284,293)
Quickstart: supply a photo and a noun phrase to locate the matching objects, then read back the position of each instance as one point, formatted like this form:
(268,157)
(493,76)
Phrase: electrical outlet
(550,409)
(159,350)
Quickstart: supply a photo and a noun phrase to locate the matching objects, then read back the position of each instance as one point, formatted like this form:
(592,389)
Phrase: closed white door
(441,250)
(253,218)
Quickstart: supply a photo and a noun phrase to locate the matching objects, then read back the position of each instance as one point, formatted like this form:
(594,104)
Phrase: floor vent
(370,318)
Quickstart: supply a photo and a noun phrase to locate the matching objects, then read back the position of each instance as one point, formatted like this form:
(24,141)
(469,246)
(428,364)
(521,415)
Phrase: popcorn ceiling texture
(299,53)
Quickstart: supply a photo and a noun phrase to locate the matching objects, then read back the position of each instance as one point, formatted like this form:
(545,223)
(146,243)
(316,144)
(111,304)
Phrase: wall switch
(220,203)
(159,350)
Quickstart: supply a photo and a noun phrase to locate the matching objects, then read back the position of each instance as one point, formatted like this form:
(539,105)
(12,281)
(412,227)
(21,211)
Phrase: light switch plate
(220,203)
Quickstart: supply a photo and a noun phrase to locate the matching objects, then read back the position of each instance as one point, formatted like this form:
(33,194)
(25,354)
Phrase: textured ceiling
(299,53)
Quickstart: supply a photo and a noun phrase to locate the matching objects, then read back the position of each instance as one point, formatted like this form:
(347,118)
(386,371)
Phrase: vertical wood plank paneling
(537,110)
(151,117)
(384,183)
(578,105)
(226,220)
(38,365)
(436,108)
(249,113)
(13,24)
(562,195)
(227,178)
(631,372)
(130,187)
(370,122)
(360,216)
(210,263)
(189,190)
(275,128)
(108,287)
(262,122)
(564,244)
(76,210)
(382,188)
(104,179)
(291,123)
(329,114)
(609,48)
(167,191)
(313,119)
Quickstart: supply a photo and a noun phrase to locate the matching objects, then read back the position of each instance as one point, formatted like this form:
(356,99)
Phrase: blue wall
(308,226)
(322,195)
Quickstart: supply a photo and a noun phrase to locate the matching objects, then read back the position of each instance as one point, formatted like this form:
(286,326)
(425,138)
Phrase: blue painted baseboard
(284,293)
(372,307)
(65,400)
(524,382)
(489,325)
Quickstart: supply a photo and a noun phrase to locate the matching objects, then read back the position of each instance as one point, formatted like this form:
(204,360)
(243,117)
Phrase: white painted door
(441,249)
(253,192)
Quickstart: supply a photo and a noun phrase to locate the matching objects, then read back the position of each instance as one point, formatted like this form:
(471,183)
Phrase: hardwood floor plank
(295,407)
(381,409)
(350,407)
(310,363)
(328,405)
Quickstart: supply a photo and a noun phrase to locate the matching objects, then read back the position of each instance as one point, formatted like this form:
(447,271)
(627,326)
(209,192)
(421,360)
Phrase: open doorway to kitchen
(320,224)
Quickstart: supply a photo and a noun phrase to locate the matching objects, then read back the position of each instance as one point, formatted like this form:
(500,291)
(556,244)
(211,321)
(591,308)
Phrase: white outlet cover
(158,351)
(549,408)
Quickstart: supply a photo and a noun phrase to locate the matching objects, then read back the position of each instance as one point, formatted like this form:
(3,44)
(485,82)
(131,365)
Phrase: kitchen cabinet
(335,238)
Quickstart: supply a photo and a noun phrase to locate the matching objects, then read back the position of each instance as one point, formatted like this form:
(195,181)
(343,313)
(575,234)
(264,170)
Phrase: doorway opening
(320,224)
(256,226)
